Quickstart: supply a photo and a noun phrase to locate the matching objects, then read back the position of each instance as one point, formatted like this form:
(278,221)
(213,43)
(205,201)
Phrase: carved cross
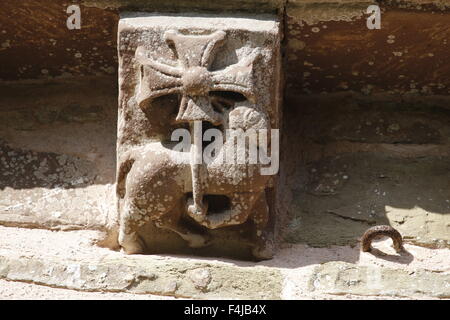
(190,76)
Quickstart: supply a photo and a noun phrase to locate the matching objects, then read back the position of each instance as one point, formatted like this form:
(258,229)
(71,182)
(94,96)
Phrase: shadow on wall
(58,134)
(362,165)
(26,169)
(346,194)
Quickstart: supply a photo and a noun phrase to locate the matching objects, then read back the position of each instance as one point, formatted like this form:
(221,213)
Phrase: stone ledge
(14,290)
(69,260)
(234,5)
(411,4)
(146,275)
(343,278)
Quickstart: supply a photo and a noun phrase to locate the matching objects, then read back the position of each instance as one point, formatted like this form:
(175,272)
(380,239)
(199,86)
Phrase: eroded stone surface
(366,161)
(75,263)
(404,137)
(330,48)
(178,71)
(13,290)
(57,153)
(36,43)
(296,272)
(343,278)
(338,204)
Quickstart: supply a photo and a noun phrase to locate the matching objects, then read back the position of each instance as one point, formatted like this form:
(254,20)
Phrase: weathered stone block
(57,153)
(178,77)
(330,49)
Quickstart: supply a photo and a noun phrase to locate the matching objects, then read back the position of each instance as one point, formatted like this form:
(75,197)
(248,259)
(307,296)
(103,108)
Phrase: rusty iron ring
(377,231)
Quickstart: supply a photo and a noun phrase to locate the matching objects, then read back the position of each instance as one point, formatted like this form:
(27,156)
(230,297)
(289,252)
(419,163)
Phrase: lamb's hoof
(198,241)
(133,247)
(265,252)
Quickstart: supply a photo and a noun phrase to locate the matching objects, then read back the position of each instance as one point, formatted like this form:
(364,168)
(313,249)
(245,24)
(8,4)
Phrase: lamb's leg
(171,221)
(148,191)
(129,240)
(264,248)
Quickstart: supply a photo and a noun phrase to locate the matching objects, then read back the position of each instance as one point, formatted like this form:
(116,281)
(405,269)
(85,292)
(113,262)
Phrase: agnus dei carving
(199,82)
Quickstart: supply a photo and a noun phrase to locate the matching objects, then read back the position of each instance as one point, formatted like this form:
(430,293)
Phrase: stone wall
(366,116)
(327,44)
